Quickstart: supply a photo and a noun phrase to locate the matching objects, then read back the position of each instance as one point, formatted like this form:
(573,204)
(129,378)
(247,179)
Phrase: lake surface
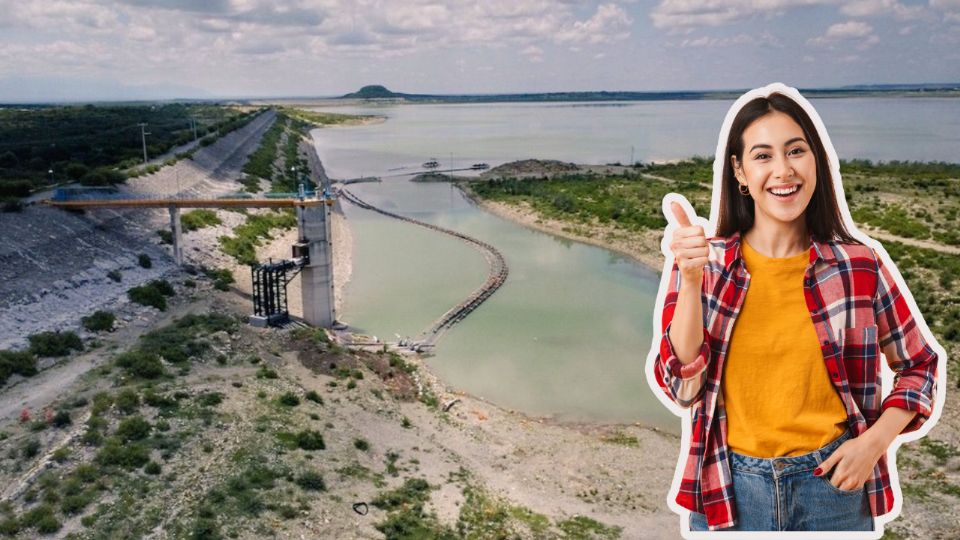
(568,334)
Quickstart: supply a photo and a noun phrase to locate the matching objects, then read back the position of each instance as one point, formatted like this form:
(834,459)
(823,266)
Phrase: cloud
(851,33)
(871,8)
(681,14)
(766,38)
(533,53)
(609,23)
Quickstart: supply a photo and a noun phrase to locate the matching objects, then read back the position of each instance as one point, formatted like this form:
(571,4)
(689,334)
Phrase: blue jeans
(782,494)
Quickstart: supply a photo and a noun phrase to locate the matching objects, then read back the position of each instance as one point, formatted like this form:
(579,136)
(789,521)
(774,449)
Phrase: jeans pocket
(835,489)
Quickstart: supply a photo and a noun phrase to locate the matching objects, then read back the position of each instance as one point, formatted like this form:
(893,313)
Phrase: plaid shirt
(857,311)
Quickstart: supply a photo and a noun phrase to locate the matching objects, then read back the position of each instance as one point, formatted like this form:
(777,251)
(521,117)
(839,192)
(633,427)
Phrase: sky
(57,50)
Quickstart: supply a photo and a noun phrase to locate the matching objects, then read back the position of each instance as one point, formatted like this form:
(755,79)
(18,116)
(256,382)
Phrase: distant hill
(377,91)
(373,91)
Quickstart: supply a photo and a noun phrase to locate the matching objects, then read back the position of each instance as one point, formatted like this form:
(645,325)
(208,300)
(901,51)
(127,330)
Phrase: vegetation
(198,219)
(144,260)
(19,362)
(152,294)
(99,321)
(93,143)
(242,247)
(260,163)
(55,343)
(222,277)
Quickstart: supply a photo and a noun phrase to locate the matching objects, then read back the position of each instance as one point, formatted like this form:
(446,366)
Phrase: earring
(742,187)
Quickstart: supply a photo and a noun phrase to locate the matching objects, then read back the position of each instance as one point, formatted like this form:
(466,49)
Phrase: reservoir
(568,334)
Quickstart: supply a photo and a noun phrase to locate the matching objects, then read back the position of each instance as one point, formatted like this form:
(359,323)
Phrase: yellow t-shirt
(779,398)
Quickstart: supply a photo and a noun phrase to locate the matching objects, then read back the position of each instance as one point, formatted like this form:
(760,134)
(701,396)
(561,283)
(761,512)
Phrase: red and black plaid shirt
(857,311)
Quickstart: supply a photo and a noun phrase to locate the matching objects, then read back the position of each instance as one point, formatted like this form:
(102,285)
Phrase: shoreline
(644,248)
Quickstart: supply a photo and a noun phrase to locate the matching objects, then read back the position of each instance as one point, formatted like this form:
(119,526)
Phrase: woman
(788,429)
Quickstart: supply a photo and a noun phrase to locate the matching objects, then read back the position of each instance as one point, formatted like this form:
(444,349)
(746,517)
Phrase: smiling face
(778,167)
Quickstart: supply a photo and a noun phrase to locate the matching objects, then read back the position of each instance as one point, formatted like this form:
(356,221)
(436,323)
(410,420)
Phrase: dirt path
(48,385)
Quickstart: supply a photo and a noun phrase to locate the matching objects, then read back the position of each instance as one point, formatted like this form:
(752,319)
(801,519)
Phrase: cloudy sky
(129,49)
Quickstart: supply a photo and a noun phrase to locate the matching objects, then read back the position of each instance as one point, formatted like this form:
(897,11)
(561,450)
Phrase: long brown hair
(822,214)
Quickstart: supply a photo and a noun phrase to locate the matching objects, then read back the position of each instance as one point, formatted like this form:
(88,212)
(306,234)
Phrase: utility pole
(193,124)
(631,155)
(143,135)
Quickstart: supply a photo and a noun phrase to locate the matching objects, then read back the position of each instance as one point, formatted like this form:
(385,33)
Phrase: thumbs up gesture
(689,245)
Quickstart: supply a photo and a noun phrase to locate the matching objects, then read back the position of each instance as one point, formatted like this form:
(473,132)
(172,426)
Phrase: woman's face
(777,157)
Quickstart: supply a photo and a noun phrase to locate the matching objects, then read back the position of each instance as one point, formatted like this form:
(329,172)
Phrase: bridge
(312,253)
(496,276)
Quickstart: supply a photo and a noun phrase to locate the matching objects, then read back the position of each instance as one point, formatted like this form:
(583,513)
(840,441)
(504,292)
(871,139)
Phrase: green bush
(61,419)
(311,481)
(198,219)
(55,343)
(210,399)
(20,362)
(127,401)
(115,275)
(40,518)
(309,439)
(152,294)
(134,428)
(100,321)
(141,364)
(30,448)
(127,456)
(144,260)
(152,468)
(312,395)
(222,278)
(289,399)
(166,237)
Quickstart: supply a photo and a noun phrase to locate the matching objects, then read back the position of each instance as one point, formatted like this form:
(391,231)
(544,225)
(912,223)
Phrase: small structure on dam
(312,259)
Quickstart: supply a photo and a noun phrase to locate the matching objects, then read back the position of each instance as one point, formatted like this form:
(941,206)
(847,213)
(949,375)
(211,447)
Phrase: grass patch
(198,219)
(258,227)
(154,294)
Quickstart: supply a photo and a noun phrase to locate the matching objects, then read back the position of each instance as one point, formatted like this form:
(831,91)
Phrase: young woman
(772,333)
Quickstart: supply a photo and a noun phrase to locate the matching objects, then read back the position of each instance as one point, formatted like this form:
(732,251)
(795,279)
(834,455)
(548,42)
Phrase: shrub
(152,294)
(100,321)
(289,399)
(22,362)
(198,219)
(30,448)
(144,260)
(141,364)
(55,343)
(40,518)
(314,397)
(127,401)
(222,278)
(361,444)
(134,428)
(312,481)
(115,275)
(128,456)
(166,237)
(266,373)
(101,402)
(309,439)
(61,419)
(210,399)
(152,468)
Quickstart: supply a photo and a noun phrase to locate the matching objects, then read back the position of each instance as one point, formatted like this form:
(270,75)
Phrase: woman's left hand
(854,461)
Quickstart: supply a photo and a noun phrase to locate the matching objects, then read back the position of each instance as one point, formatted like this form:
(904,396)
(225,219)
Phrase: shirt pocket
(861,353)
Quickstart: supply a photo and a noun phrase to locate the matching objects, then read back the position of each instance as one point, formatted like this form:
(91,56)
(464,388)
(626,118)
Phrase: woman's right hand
(689,247)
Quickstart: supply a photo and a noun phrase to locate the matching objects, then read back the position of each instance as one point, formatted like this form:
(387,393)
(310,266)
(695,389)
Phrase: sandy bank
(643,247)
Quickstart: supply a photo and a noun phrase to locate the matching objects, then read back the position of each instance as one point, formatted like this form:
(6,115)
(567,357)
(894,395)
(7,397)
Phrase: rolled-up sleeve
(907,352)
(682,383)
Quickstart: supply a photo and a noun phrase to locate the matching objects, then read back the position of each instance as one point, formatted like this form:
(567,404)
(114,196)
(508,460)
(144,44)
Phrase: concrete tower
(316,278)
